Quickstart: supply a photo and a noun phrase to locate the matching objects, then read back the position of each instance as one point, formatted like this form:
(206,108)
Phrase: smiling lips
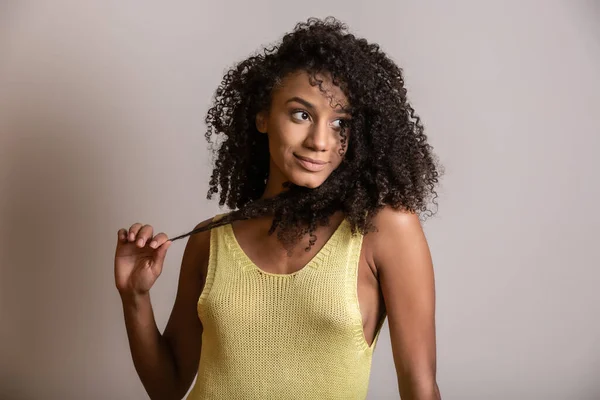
(311,164)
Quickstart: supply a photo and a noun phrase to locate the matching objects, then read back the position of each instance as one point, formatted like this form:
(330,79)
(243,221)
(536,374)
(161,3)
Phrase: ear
(261,122)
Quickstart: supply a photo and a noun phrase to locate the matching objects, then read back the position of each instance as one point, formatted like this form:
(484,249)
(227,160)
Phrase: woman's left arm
(403,261)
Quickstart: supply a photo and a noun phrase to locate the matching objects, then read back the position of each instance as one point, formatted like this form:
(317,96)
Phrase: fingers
(133,231)
(160,255)
(144,234)
(122,235)
(158,240)
(140,234)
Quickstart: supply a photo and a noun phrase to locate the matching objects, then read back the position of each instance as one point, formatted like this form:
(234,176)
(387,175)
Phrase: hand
(139,258)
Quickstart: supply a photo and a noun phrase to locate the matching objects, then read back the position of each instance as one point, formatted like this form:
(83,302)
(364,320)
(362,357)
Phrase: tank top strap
(217,251)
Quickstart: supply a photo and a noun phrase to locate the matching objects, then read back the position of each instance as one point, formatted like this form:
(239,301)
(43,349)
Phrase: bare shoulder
(197,249)
(204,235)
(184,328)
(389,219)
(406,278)
(201,237)
(399,233)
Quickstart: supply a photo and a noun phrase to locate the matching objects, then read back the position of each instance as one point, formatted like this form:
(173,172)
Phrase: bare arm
(184,329)
(403,260)
(167,364)
(152,357)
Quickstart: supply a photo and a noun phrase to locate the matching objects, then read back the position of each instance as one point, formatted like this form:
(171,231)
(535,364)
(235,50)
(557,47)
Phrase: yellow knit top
(276,336)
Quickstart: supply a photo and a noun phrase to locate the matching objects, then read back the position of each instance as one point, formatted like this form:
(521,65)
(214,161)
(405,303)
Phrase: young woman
(326,168)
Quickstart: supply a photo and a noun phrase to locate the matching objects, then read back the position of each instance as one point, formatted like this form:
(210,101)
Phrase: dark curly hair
(387,159)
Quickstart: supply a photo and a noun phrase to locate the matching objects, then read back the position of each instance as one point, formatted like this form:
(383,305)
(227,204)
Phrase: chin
(310,182)
(311,185)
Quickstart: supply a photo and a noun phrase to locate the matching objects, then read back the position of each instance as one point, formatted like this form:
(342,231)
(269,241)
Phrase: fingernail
(153,244)
(141,242)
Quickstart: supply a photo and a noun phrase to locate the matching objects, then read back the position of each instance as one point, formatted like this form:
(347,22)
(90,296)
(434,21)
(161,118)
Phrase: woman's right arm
(167,363)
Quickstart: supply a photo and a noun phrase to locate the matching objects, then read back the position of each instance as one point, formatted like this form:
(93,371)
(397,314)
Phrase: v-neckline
(313,263)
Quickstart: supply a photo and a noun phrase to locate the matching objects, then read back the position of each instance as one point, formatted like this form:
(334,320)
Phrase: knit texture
(276,336)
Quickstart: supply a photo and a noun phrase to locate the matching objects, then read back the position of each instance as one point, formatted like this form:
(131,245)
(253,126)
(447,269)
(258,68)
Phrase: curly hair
(387,160)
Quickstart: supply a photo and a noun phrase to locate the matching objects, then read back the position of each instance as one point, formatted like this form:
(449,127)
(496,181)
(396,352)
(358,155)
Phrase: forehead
(301,84)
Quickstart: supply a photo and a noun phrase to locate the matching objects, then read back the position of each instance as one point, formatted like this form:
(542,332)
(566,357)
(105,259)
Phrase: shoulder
(390,220)
(398,234)
(407,283)
(202,236)
(197,249)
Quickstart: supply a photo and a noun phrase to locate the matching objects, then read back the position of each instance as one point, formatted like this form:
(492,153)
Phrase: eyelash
(343,121)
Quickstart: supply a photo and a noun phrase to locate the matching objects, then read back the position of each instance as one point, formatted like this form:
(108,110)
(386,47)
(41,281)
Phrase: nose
(319,137)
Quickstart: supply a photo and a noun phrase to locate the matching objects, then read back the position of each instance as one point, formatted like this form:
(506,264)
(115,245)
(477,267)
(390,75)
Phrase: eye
(301,115)
(342,123)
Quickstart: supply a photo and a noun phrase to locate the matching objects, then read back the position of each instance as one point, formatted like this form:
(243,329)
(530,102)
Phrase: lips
(310,160)
(310,164)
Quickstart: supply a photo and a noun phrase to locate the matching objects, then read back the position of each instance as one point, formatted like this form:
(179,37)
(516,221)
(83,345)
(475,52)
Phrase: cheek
(280,148)
(284,139)
(338,154)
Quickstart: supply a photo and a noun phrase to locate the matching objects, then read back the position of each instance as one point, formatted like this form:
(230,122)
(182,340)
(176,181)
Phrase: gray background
(101,120)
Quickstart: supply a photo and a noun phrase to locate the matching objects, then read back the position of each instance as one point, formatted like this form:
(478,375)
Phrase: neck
(275,182)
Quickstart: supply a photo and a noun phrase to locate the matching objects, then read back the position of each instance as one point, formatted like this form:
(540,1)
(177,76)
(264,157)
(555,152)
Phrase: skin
(301,122)
(395,268)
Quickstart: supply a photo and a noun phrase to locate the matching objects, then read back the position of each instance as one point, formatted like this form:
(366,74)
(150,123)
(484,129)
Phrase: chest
(329,287)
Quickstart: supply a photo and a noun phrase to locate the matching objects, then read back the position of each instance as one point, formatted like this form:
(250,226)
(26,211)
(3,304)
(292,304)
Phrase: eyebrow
(312,107)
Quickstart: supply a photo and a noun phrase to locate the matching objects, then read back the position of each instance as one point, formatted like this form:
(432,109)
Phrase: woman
(325,167)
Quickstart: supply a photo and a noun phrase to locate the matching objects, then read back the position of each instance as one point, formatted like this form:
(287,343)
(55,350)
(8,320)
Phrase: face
(303,125)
